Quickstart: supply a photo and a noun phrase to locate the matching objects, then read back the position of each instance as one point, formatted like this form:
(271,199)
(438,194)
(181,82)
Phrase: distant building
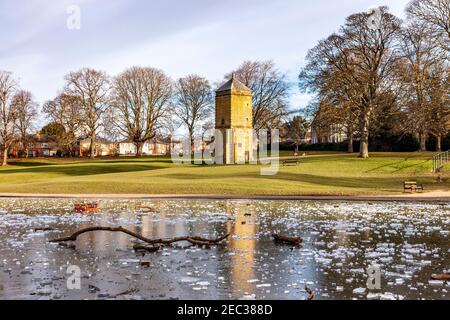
(234,111)
(153,147)
(43,146)
(334,133)
(102,147)
(308,137)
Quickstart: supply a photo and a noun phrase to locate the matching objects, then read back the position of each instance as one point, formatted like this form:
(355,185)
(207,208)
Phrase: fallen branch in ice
(68,245)
(144,247)
(296,241)
(127,292)
(309,292)
(443,276)
(43,229)
(193,240)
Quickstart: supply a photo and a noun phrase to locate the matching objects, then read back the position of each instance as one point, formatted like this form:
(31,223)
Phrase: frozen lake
(408,241)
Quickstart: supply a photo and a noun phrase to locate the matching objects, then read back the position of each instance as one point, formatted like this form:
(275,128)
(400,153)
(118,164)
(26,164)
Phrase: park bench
(412,186)
(289,162)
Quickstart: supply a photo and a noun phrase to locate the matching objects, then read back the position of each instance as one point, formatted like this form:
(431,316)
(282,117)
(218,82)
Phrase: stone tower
(234,111)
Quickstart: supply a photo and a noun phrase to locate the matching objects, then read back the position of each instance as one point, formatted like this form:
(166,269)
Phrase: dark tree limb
(43,229)
(193,240)
(144,247)
(296,241)
(309,292)
(443,276)
(129,291)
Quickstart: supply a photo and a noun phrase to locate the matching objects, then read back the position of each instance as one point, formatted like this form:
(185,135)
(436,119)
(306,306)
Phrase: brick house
(153,147)
(102,147)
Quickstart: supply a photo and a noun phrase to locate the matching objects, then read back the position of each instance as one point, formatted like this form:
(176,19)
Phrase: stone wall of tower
(234,111)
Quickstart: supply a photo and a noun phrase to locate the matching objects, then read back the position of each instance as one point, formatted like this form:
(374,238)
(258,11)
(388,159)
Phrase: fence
(440,160)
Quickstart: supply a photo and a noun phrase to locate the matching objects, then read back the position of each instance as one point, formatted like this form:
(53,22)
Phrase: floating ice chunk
(126,261)
(373,296)
(359,291)
(387,296)
(188,280)
(360,270)
(436,283)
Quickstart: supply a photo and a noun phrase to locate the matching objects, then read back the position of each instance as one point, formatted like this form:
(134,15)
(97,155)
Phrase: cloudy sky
(207,37)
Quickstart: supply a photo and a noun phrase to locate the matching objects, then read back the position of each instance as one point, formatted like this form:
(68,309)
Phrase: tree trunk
(364,144)
(438,143)
(191,137)
(5,157)
(364,147)
(91,147)
(139,146)
(350,142)
(423,142)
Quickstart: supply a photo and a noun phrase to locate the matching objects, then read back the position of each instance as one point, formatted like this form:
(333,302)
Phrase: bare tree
(270,92)
(91,87)
(8,87)
(109,129)
(420,54)
(140,99)
(439,99)
(25,109)
(295,129)
(65,111)
(193,101)
(434,13)
(361,61)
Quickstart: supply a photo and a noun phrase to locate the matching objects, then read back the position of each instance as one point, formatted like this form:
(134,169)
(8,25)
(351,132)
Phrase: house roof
(233,84)
(154,140)
(43,139)
(97,140)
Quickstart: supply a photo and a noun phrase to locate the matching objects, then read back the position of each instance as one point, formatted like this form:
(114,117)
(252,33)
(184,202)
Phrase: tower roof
(233,84)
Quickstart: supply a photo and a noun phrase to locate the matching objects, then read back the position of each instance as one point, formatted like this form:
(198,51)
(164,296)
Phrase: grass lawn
(318,174)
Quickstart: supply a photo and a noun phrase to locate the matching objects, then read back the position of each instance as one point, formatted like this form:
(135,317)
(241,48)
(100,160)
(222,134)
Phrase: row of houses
(48,146)
(105,148)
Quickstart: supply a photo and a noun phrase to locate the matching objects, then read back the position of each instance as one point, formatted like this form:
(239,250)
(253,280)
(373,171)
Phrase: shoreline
(441,196)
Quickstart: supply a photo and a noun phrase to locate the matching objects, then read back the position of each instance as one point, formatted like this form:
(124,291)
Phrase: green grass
(318,174)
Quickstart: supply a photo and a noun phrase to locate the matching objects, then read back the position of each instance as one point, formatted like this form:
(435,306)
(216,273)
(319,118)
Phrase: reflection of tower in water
(242,264)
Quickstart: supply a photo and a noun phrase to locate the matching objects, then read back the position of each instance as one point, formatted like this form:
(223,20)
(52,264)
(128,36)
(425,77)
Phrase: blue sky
(206,37)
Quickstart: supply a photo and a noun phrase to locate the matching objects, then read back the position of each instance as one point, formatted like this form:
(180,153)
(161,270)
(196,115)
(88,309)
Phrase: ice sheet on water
(341,241)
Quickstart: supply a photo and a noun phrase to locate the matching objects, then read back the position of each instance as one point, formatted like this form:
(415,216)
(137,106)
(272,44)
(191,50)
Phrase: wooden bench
(412,186)
(288,162)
